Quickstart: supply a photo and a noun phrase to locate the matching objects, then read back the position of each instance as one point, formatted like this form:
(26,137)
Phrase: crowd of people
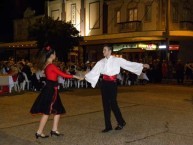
(169,71)
(159,70)
(18,70)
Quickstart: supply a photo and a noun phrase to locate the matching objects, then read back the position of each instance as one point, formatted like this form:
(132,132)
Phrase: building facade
(137,29)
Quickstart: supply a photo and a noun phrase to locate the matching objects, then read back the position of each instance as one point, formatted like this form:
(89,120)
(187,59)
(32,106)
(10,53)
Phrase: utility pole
(167,29)
(82,18)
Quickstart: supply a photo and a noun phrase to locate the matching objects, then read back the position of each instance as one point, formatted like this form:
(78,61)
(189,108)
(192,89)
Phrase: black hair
(109,46)
(43,55)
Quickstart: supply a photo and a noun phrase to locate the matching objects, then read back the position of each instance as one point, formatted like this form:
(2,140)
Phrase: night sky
(14,9)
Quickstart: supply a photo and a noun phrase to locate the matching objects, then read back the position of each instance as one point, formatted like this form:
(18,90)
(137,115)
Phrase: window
(118,14)
(73,14)
(186,14)
(55,14)
(187,10)
(175,12)
(132,14)
(148,12)
(94,15)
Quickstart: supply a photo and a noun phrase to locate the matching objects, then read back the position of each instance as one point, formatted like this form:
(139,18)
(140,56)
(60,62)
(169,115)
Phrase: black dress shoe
(41,136)
(56,133)
(119,127)
(106,130)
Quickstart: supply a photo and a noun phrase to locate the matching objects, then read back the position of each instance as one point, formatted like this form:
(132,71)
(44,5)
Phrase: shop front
(136,51)
(18,50)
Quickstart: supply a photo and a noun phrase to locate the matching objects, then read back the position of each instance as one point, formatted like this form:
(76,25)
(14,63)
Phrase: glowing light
(162,46)
(147,46)
(172,47)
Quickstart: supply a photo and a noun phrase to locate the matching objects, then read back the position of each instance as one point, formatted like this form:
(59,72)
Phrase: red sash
(110,78)
(53,100)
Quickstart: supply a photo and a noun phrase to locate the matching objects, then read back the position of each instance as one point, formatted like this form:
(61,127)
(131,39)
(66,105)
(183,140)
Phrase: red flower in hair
(48,48)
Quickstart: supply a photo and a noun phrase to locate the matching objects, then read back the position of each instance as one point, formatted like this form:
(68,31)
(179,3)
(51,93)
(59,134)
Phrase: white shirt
(110,67)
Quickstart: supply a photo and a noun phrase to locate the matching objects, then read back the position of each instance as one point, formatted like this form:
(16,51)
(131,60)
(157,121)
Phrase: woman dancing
(48,102)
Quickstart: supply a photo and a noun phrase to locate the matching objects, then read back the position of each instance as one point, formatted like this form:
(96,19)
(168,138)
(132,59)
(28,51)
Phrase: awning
(19,44)
(129,37)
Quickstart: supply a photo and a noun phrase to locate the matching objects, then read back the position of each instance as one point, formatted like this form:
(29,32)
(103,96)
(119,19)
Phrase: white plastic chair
(16,86)
(26,82)
(62,81)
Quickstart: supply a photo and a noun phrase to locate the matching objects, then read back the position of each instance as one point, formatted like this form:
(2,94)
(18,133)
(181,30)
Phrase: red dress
(49,102)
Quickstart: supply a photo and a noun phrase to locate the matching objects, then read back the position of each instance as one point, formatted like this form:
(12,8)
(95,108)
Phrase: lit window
(118,16)
(132,14)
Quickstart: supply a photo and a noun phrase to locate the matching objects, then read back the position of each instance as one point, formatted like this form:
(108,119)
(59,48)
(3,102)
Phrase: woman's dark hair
(43,55)
(109,46)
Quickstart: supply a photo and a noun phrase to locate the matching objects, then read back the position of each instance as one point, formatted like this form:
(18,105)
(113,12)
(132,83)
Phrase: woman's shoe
(41,136)
(56,133)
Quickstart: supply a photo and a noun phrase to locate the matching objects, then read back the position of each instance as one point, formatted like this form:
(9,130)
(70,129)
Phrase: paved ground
(155,115)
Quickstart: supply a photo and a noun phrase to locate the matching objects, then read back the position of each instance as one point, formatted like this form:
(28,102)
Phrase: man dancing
(109,67)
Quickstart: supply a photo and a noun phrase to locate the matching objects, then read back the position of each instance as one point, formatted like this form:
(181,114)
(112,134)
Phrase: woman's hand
(77,77)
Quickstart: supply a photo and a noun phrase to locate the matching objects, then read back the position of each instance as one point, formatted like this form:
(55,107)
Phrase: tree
(62,36)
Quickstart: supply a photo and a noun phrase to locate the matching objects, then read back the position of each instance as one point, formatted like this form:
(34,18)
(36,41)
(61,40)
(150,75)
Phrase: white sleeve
(133,67)
(37,75)
(93,75)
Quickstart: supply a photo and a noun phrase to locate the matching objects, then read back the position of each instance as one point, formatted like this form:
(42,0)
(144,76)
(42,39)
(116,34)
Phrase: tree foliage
(62,36)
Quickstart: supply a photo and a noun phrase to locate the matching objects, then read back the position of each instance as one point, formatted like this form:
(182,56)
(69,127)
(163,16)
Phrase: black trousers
(109,99)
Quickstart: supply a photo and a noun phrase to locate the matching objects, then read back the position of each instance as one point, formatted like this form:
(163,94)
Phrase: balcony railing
(130,26)
(186,25)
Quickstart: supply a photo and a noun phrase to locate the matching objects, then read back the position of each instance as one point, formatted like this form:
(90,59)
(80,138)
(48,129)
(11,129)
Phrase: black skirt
(48,102)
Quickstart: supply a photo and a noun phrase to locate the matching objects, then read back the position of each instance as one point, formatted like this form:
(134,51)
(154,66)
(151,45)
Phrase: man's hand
(80,78)
(146,66)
